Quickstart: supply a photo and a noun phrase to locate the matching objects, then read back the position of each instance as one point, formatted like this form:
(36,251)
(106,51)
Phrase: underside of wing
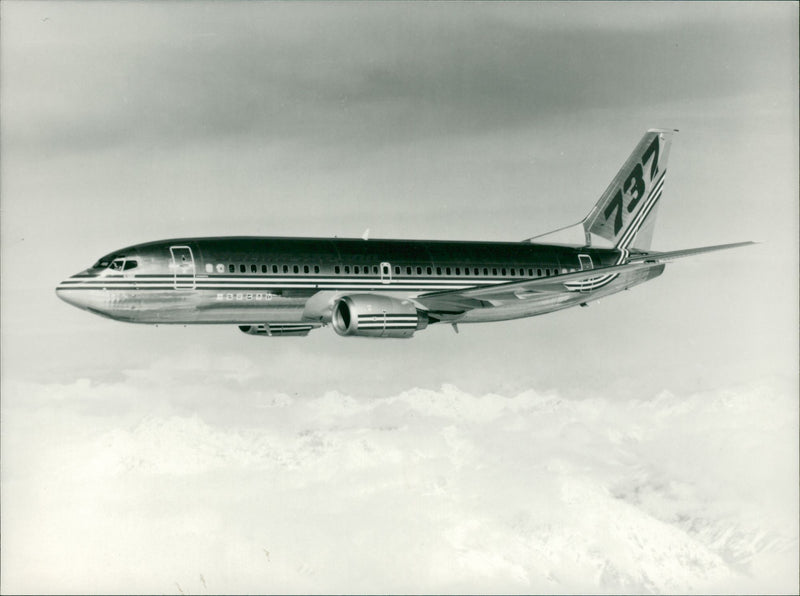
(488,296)
(581,282)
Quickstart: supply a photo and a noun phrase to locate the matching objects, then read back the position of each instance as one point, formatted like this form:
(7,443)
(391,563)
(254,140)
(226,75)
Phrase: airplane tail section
(625,213)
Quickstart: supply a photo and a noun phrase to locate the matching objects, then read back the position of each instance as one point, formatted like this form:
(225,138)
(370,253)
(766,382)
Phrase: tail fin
(626,211)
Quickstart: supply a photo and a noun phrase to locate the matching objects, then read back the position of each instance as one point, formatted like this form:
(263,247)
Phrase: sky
(647,443)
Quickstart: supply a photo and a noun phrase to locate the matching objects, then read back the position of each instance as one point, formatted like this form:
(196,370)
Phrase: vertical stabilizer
(625,213)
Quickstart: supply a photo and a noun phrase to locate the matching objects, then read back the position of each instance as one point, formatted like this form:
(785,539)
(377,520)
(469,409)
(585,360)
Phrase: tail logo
(632,191)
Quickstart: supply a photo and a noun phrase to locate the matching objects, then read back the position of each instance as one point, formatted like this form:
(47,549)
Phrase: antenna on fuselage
(365,235)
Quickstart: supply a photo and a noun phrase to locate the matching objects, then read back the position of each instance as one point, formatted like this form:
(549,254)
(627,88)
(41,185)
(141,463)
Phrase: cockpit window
(120,264)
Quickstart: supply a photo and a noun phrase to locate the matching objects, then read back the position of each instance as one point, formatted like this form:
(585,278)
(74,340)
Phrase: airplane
(271,287)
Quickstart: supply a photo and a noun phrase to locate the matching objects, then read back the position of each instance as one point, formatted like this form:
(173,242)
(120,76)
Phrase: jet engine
(369,315)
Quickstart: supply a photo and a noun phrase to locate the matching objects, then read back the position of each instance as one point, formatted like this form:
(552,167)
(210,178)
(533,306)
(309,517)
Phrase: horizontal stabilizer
(688,252)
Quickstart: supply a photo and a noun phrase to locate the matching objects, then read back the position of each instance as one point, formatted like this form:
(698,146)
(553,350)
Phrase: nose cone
(70,294)
(74,291)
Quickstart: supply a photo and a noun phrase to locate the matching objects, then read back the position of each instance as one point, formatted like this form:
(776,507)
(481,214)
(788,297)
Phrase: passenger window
(513,272)
(408,270)
(355,269)
(305,268)
(253,268)
(438,271)
(347,268)
(274,268)
(263,268)
(419,270)
(447,270)
(316,268)
(428,270)
(485,271)
(220,268)
(232,268)
(547,272)
(296,269)
(397,270)
(375,269)
(476,271)
(530,272)
(538,272)
(209,268)
(242,268)
(494,271)
(286,268)
(458,271)
(336,269)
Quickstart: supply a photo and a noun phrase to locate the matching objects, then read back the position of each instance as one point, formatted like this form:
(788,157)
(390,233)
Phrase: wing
(452,301)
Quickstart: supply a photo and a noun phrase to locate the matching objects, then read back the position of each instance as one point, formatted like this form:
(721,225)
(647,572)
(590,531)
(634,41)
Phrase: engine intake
(369,315)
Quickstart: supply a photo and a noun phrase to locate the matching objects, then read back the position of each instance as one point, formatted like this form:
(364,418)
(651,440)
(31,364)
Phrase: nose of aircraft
(68,291)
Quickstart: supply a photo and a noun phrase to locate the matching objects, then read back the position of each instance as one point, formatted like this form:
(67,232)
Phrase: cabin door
(386,273)
(182,267)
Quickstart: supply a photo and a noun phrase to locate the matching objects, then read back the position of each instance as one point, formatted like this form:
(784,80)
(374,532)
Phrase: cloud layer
(425,491)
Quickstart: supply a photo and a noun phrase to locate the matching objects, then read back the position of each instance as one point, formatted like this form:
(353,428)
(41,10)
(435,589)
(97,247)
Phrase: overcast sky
(129,122)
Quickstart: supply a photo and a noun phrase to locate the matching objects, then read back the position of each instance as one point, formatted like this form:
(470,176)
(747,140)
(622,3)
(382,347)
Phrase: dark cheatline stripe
(251,284)
(267,284)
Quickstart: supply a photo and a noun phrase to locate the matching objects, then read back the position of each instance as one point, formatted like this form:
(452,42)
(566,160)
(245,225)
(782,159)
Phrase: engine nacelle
(370,315)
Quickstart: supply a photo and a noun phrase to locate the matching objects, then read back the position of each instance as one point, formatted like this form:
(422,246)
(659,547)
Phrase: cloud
(423,491)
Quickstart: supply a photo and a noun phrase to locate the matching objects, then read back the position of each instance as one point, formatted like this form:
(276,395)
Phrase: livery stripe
(289,280)
(633,227)
(645,212)
(625,240)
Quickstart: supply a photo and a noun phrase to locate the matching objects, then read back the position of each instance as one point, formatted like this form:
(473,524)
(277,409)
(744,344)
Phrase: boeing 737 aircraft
(388,288)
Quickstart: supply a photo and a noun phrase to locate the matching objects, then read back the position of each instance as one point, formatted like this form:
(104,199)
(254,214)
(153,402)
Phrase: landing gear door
(182,267)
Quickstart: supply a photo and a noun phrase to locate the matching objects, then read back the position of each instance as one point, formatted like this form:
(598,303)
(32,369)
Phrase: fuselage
(389,288)
(253,280)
